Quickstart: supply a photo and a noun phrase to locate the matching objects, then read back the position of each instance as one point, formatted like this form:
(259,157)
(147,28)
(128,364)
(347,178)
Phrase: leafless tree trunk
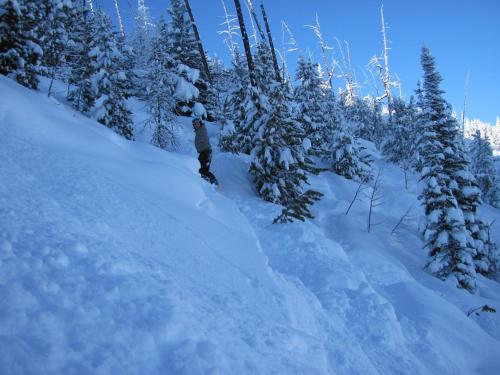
(119,17)
(324,48)
(403,221)
(386,80)
(375,198)
(271,44)
(246,43)
(346,69)
(465,101)
(256,20)
(360,189)
(254,29)
(198,39)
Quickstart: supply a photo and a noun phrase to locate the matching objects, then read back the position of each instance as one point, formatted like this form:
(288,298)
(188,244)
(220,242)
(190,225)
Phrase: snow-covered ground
(117,258)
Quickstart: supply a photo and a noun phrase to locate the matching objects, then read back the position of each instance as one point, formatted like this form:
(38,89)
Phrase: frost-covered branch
(230,32)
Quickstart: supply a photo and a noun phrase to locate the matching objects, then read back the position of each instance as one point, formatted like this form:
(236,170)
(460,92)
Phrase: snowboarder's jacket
(201,139)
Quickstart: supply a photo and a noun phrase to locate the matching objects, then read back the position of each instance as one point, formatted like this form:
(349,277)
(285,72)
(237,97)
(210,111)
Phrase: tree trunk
(200,44)
(254,16)
(119,17)
(271,44)
(246,43)
(386,80)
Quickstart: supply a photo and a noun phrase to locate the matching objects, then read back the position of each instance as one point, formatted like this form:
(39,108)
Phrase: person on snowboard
(204,149)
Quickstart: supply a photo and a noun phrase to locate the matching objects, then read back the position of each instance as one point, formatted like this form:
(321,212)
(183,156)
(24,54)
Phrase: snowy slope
(115,257)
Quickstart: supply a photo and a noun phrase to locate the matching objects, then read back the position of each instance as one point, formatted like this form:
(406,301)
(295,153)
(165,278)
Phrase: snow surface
(116,257)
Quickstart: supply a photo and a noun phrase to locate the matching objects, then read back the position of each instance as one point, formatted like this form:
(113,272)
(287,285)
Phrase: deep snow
(116,257)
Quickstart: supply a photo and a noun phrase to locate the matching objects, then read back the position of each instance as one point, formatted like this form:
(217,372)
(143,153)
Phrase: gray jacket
(201,140)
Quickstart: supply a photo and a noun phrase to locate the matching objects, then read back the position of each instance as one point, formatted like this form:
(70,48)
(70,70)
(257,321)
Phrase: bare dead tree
(375,198)
(404,221)
(324,48)
(382,69)
(360,189)
(271,44)
(246,43)
(253,14)
(198,39)
(399,84)
(254,29)
(120,21)
(465,101)
(345,68)
(230,31)
(286,46)
(387,78)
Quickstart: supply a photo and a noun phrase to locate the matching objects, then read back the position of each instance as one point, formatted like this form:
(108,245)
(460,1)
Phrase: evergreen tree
(55,36)
(309,96)
(264,71)
(183,49)
(80,91)
(110,79)
(399,146)
(445,232)
(483,168)
(419,126)
(218,90)
(278,162)
(160,84)
(141,38)
(20,50)
(234,109)
(358,115)
(182,44)
(346,156)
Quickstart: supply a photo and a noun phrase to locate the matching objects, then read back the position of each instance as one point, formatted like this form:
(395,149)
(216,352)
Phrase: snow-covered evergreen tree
(217,92)
(309,96)
(141,37)
(279,163)
(234,109)
(264,71)
(468,198)
(110,79)
(80,93)
(160,84)
(182,44)
(483,168)
(445,233)
(183,49)
(399,146)
(55,36)
(20,51)
(346,156)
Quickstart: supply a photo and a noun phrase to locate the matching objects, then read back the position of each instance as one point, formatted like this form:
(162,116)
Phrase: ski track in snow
(115,257)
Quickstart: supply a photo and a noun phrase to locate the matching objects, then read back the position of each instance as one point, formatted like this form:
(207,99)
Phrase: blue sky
(462,35)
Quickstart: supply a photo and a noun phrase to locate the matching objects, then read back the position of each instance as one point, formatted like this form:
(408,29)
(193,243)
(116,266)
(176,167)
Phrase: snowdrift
(115,257)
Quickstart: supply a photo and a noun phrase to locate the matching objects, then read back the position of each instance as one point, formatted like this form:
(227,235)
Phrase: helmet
(197,121)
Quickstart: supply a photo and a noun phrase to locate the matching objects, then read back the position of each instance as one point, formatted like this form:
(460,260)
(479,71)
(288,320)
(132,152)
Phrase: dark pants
(205,159)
